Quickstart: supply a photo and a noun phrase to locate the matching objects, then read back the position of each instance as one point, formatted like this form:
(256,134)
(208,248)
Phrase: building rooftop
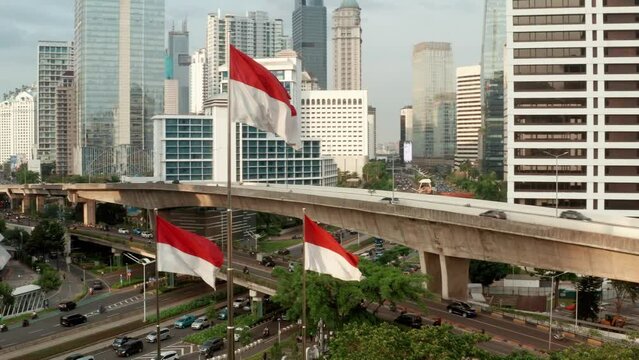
(349,4)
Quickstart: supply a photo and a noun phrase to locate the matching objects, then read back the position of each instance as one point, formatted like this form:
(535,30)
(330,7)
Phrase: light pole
(144,262)
(552,297)
(576,303)
(393,176)
(556,178)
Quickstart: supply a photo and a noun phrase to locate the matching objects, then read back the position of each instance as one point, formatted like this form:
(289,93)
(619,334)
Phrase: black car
(118,341)
(97,285)
(66,306)
(72,320)
(210,346)
(283,251)
(495,214)
(461,308)
(129,348)
(410,320)
(574,215)
(267,261)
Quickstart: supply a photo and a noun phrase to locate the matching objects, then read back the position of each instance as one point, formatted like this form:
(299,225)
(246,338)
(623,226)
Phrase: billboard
(34,165)
(408,151)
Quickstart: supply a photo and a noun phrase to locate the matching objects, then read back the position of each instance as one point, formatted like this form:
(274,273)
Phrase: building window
(549,36)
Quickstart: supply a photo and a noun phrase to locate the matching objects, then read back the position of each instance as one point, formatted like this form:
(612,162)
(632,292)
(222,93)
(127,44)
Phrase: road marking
(35,331)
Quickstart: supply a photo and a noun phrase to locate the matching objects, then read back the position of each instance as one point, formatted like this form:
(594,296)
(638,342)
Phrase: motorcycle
(558,336)
(101,309)
(245,270)
(25,323)
(3,328)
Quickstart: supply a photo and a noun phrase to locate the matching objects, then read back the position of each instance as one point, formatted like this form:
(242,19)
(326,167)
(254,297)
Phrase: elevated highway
(447,232)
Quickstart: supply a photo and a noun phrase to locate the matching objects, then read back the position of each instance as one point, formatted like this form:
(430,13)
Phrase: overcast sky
(390,29)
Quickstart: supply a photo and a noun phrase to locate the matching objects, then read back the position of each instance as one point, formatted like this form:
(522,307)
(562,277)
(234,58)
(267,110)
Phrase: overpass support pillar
(26,204)
(39,202)
(257,303)
(89,212)
(448,275)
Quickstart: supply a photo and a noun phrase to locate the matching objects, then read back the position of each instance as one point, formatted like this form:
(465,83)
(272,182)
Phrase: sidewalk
(17,274)
(72,285)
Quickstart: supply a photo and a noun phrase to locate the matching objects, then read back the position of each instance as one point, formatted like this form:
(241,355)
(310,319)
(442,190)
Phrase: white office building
(573,104)
(17,126)
(339,118)
(347,46)
(198,81)
(468,107)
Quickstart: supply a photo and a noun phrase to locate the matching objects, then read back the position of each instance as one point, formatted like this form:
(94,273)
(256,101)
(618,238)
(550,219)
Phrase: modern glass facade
(309,37)
(188,149)
(180,62)
(120,84)
(492,80)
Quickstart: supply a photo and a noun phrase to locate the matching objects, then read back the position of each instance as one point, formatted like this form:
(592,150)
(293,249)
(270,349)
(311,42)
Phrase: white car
(123,231)
(147,234)
(238,332)
(241,302)
(164,334)
(167,355)
(200,323)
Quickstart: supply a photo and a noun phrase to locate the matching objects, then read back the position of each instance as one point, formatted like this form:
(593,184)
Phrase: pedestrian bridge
(447,232)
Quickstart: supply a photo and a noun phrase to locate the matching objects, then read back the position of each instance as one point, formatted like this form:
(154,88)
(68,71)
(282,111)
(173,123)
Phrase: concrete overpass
(447,232)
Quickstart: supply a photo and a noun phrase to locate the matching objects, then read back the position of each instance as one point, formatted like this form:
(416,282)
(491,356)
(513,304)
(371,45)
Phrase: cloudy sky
(390,29)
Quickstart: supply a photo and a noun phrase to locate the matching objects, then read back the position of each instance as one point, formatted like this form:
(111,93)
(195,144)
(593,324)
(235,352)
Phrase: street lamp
(556,178)
(144,262)
(552,297)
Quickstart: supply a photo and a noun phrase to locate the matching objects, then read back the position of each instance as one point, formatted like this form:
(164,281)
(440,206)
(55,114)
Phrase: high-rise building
(573,105)
(198,81)
(119,64)
(372,132)
(255,34)
(309,37)
(171,97)
(492,87)
(54,58)
(180,60)
(468,114)
(347,46)
(433,101)
(405,130)
(66,161)
(17,125)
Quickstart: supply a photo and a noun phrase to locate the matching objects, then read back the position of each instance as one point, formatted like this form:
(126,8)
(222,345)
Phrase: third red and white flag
(323,254)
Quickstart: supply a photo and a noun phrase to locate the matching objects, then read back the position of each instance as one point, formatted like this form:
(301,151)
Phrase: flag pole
(157,280)
(230,328)
(304,285)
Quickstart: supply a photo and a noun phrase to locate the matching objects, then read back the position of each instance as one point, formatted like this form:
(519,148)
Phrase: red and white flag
(181,251)
(259,99)
(323,254)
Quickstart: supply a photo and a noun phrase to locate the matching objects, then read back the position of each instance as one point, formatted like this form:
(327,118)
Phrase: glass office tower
(181,60)
(492,80)
(309,37)
(119,71)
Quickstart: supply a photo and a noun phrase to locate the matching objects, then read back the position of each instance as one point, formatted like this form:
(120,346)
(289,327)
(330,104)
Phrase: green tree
(17,238)
(489,187)
(49,279)
(3,225)
(486,272)
(607,351)
(112,214)
(557,276)
(46,237)
(589,297)
(24,176)
(392,254)
(5,295)
(625,290)
(375,176)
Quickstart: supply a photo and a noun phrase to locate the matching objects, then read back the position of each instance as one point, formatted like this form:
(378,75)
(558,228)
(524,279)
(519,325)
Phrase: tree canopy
(111,214)
(486,272)
(589,297)
(24,176)
(46,237)
(376,176)
(625,290)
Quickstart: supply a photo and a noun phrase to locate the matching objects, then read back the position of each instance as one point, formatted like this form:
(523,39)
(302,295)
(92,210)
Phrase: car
(152,337)
(167,355)
(96,285)
(123,231)
(284,251)
(118,341)
(241,302)
(461,308)
(574,215)
(147,234)
(390,200)
(79,357)
(66,306)
(210,346)
(136,231)
(129,348)
(200,323)
(222,314)
(411,320)
(238,332)
(184,321)
(72,320)
(291,266)
(267,261)
(495,214)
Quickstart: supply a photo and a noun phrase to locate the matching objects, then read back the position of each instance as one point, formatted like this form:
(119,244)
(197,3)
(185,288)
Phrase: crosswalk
(181,348)
(126,302)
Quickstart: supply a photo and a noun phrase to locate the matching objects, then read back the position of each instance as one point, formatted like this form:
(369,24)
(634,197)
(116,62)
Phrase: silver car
(164,334)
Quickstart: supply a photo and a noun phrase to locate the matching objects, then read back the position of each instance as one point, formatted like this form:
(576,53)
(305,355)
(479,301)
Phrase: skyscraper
(17,125)
(198,81)
(468,113)
(54,58)
(255,34)
(433,102)
(405,129)
(119,66)
(66,161)
(347,46)
(573,105)
(492,87)
(309,37)
(181,59)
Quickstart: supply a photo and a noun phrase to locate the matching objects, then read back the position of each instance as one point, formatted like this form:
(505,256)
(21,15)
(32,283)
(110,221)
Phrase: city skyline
(390,49)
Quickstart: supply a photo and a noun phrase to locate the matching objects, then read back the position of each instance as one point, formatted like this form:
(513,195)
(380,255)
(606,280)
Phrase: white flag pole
(230,328)
(157,280)
(304,285)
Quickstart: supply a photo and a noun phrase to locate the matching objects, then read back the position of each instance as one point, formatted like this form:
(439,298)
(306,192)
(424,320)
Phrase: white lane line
(35,331)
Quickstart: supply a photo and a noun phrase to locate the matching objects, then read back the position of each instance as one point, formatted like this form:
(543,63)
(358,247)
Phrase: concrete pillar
(429,263)
(89,212)
(26,204)
(454,277)
(257,303)
(39,202)
(117,257)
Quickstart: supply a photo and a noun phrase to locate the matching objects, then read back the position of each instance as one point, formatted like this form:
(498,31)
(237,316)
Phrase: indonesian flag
(181,251)
(323,254)
(259,99)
